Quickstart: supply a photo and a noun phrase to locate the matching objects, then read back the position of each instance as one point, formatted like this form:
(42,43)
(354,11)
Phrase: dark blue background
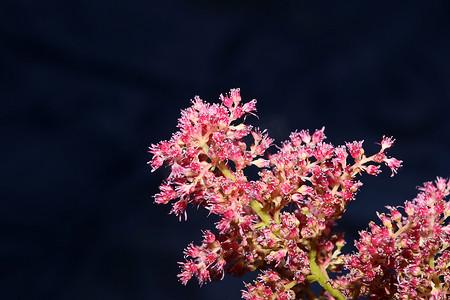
(87,86)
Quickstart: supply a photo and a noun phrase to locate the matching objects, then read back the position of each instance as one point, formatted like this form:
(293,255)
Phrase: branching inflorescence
(282,223)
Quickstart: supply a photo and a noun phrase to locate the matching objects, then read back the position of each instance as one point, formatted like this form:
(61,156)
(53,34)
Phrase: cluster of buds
(282,223)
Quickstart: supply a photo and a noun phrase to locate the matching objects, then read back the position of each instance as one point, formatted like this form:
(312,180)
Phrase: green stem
(290,285)
(320,277)
(221,166)
(225,171)
(258,208)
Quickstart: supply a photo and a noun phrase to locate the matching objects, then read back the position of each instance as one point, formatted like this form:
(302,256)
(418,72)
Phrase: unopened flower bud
(261,163)
(409,208)
(386,222)
(373,170)
(395,214)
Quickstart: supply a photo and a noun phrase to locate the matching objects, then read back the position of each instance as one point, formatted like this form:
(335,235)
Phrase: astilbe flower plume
(282,223)
(408,255)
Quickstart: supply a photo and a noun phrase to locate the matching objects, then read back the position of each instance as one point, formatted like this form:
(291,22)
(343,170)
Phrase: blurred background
(87,86)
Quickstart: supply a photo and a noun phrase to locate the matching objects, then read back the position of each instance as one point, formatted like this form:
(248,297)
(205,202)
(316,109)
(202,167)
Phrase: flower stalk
(321,276)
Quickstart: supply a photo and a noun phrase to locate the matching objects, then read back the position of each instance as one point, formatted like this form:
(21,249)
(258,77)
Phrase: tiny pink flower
(373,170)
(355,149)
(395,214)
(179,208)
(276,256)
(156,162)
(189,269)
(306,137)
(209,237)
(177,171)
(227,101)
(295,138)
(318,136)
(341,154)
(235,95)
(394,164)
(261,163)
(386,143)
(297,197)
(249,106)
(191,250)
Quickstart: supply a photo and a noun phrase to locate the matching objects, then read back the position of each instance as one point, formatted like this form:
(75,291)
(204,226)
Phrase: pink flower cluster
(282,223)
(408,256)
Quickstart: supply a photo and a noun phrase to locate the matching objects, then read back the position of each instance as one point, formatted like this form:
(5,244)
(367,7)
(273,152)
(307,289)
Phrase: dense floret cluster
(282,223)
(407,257)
